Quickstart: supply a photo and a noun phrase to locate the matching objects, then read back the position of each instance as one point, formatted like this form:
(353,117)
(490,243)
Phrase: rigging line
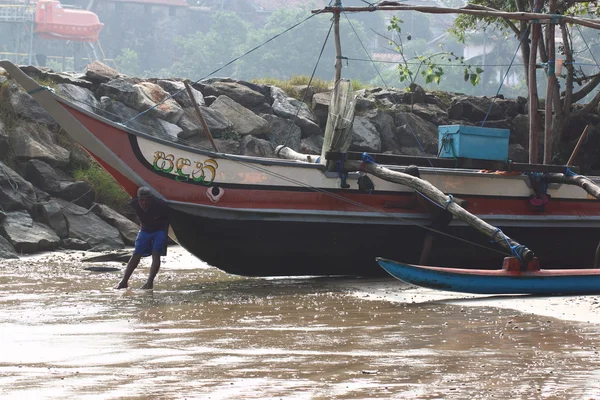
(586,45)
(505,75)
(292,121)
(227,64)
(363,46)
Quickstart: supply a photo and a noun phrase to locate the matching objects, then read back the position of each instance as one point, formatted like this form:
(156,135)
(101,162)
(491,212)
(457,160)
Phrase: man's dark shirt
(155,218)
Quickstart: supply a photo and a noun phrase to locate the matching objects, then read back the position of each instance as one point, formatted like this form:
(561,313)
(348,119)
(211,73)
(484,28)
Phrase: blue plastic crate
(462,141)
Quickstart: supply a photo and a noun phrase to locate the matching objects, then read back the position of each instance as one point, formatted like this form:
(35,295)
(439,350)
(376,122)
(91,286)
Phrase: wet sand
(202,334)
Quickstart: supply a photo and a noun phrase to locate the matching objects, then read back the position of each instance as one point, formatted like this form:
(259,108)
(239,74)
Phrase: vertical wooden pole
(202,121)
(550,88)
(338,45)
(534,127)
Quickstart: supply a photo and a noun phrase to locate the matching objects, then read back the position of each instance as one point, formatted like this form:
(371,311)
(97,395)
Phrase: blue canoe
(501,281)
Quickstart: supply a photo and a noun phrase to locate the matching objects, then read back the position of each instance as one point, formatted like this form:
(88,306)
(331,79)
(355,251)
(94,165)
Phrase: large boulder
(295,110)
(283,132)
(15,192)
(244,121)
(180,94)
(7,250)
(30,140)
(190,123)
(58,183)
(365,136)
(236,91)
(414,131)
(28,108)
(4,142)
(26,235)
(98,72)
(80,96)
(90,228)
(52,215)
(158,102)
(126,227)
(119,112)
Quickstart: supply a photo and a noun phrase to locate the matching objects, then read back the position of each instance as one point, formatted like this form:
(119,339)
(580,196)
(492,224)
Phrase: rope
(505,75)
(291,121)
(587,45)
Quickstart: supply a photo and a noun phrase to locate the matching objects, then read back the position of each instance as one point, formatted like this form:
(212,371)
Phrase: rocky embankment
(43,208)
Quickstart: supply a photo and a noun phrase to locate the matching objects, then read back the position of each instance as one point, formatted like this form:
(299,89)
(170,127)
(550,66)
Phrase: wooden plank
(466,163)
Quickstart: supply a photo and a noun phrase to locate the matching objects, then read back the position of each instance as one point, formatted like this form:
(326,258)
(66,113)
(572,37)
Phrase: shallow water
(65,333)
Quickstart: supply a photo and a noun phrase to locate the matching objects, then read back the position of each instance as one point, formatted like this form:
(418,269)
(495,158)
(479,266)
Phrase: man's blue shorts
(147,243)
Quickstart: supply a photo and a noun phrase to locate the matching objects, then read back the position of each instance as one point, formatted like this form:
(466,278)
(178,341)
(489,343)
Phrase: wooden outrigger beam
(436,195)
(434,162)
(521,16)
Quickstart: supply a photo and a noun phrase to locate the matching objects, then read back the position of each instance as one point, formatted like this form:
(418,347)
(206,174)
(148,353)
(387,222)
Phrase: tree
(537,47)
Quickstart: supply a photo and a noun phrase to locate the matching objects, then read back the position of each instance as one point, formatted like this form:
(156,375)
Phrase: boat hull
(540,282)
(282,248)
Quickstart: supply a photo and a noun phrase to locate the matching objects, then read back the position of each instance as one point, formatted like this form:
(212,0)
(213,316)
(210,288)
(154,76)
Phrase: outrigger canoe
(508,280)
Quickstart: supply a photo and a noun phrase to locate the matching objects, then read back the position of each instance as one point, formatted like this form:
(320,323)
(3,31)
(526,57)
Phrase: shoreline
(584,309)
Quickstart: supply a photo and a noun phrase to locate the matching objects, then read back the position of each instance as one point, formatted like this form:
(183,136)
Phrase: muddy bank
(204,334)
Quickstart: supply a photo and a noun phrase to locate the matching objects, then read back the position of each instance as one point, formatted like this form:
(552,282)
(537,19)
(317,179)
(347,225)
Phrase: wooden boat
(266,217)
(502,281)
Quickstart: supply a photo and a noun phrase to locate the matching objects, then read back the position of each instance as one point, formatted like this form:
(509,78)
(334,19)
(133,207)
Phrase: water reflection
(203,334)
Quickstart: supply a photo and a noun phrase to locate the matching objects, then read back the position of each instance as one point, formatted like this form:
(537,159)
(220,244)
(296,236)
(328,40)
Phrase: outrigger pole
(422,186)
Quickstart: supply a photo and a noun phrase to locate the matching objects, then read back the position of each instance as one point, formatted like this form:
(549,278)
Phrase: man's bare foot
(148,285)
(121,285)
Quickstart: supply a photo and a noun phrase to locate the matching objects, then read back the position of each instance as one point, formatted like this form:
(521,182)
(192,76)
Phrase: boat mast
(551,86)
(338,45)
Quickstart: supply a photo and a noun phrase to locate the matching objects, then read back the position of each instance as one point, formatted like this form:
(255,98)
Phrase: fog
(280,39)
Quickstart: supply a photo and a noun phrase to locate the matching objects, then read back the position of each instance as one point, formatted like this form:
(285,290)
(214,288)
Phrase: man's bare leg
(134,261)
(153,271)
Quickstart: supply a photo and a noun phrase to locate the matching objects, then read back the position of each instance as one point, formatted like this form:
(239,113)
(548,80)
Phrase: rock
(4,142)
(311,145)
(298,112)
(119,112)
(90,228)
(28,108)
(283,132)
(252,146)
(152,98)
(26,235)
(15,192)
(30,140)
(46,74)
(414,131)
(73,244)
(98,72)
(7,250)
(122,256)
(365,136)
(320,106)
(53,217)
(384,124)
(239,93)
(58,183)
(244,121)
(179,92)
(171,130)
(190,123)
(517,153)
(475,109)
(82,97)
(127,228)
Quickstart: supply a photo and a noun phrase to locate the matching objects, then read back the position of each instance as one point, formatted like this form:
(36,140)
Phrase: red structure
(52,21)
